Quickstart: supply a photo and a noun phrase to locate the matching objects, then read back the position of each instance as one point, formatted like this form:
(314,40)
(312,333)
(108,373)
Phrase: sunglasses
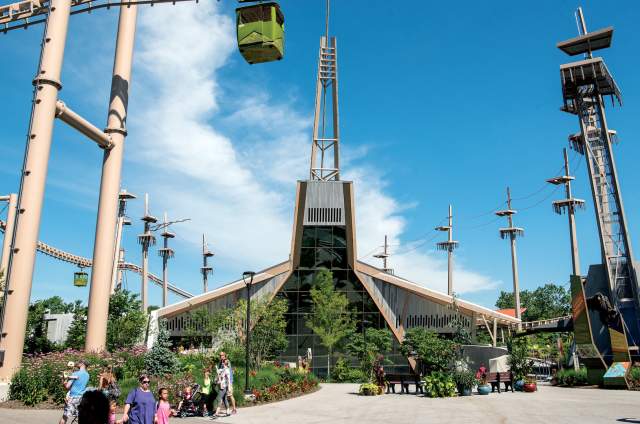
(145,382)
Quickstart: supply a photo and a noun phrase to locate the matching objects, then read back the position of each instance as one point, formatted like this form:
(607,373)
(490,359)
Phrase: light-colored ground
(338,403)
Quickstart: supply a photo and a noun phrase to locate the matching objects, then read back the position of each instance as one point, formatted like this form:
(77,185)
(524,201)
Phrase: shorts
(230,391)
(71,407)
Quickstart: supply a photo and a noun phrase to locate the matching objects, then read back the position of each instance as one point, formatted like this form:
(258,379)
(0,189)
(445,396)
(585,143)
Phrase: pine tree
(160,360)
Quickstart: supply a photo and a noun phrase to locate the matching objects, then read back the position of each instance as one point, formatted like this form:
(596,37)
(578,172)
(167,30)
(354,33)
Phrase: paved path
(338,403)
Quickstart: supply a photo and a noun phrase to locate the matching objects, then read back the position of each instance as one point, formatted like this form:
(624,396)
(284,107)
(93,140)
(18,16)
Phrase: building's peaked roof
(433,295)
(362,267)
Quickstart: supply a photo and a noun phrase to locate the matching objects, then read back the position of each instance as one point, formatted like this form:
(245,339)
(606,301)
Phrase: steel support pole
(144,284)
(516,285)
(116,256)
(247,391)
(165,277)
(103,250)
(32,185)
(450,273)
(8,234)
(575,257)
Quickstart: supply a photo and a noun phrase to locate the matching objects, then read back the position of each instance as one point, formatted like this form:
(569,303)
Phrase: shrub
(435,353)
(27,389)
(343,373)
(634,376)
(572,378)
(439,384)
(369,389)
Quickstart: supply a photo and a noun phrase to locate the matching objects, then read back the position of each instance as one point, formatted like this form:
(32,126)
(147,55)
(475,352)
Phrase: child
(186,396)
(164,410)
(112,412)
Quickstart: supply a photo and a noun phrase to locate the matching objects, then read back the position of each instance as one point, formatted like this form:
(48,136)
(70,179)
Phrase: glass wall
(324,247)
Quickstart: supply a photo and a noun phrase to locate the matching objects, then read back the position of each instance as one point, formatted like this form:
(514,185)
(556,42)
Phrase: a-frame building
(324,236)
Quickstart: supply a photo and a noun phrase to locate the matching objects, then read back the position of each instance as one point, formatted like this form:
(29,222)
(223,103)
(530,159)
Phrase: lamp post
(247,277)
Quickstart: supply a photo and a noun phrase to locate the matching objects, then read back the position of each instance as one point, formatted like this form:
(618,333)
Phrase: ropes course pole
(32,185)
(103,250)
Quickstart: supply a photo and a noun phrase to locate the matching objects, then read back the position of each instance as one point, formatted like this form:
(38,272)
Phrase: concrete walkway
(338,403)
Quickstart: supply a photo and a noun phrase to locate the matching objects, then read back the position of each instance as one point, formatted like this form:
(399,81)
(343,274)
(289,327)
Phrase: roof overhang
(435,296)
(204,298)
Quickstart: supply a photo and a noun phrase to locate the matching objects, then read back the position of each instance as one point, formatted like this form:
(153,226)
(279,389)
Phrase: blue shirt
(80,384)
(143,406)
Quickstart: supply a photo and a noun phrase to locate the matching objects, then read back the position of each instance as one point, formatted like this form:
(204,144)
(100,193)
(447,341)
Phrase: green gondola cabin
(260,30)
(80,279)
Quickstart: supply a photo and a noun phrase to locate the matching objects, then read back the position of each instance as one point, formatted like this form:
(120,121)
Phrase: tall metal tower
(146,239)
(206,269)
(122,220)
(449,246)
(384,256)
(512,233)
(326,138)
(568,205)
(166,253)
(585,83)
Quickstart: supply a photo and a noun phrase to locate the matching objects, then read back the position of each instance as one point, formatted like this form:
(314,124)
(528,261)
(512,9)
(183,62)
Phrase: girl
(112,412)
(164,407)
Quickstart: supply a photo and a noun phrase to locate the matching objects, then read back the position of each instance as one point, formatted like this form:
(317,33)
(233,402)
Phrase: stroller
(193,407)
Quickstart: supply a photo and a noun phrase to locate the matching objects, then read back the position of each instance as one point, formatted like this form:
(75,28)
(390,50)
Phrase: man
(76,383)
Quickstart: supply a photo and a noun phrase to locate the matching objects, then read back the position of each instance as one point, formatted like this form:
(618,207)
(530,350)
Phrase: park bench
(495,378)
(404,380)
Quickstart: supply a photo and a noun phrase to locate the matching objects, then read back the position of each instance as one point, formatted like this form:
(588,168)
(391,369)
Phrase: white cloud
(240,192)
(378,215)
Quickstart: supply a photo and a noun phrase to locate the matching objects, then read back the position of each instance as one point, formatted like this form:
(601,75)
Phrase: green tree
(268,328)
(548,301)
(330,316)
(36,333)
(160,360)
(378,342)
(78,329)
(127,322)
(434,352)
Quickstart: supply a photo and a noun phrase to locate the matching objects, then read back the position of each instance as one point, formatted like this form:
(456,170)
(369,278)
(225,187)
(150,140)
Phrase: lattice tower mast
(512,233)
(449,246)
(569,205)
(326,136)
(584,85)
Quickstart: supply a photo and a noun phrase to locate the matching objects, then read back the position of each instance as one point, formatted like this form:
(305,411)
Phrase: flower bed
(39,381)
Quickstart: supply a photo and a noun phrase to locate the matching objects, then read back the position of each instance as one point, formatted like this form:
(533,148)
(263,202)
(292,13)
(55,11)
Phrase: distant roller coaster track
(86,263)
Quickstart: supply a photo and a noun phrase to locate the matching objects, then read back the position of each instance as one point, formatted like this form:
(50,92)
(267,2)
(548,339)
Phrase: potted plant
(465,380)
(484,388)
(530,385)
(369,389)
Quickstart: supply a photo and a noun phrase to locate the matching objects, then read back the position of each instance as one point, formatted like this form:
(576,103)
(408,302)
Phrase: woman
(109,385)
(222,382)
(140,406)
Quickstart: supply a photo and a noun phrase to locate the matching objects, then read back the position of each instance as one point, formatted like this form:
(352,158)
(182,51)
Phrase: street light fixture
(247,277)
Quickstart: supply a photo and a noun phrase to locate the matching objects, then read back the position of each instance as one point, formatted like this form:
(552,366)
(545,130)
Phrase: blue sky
(440,103)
